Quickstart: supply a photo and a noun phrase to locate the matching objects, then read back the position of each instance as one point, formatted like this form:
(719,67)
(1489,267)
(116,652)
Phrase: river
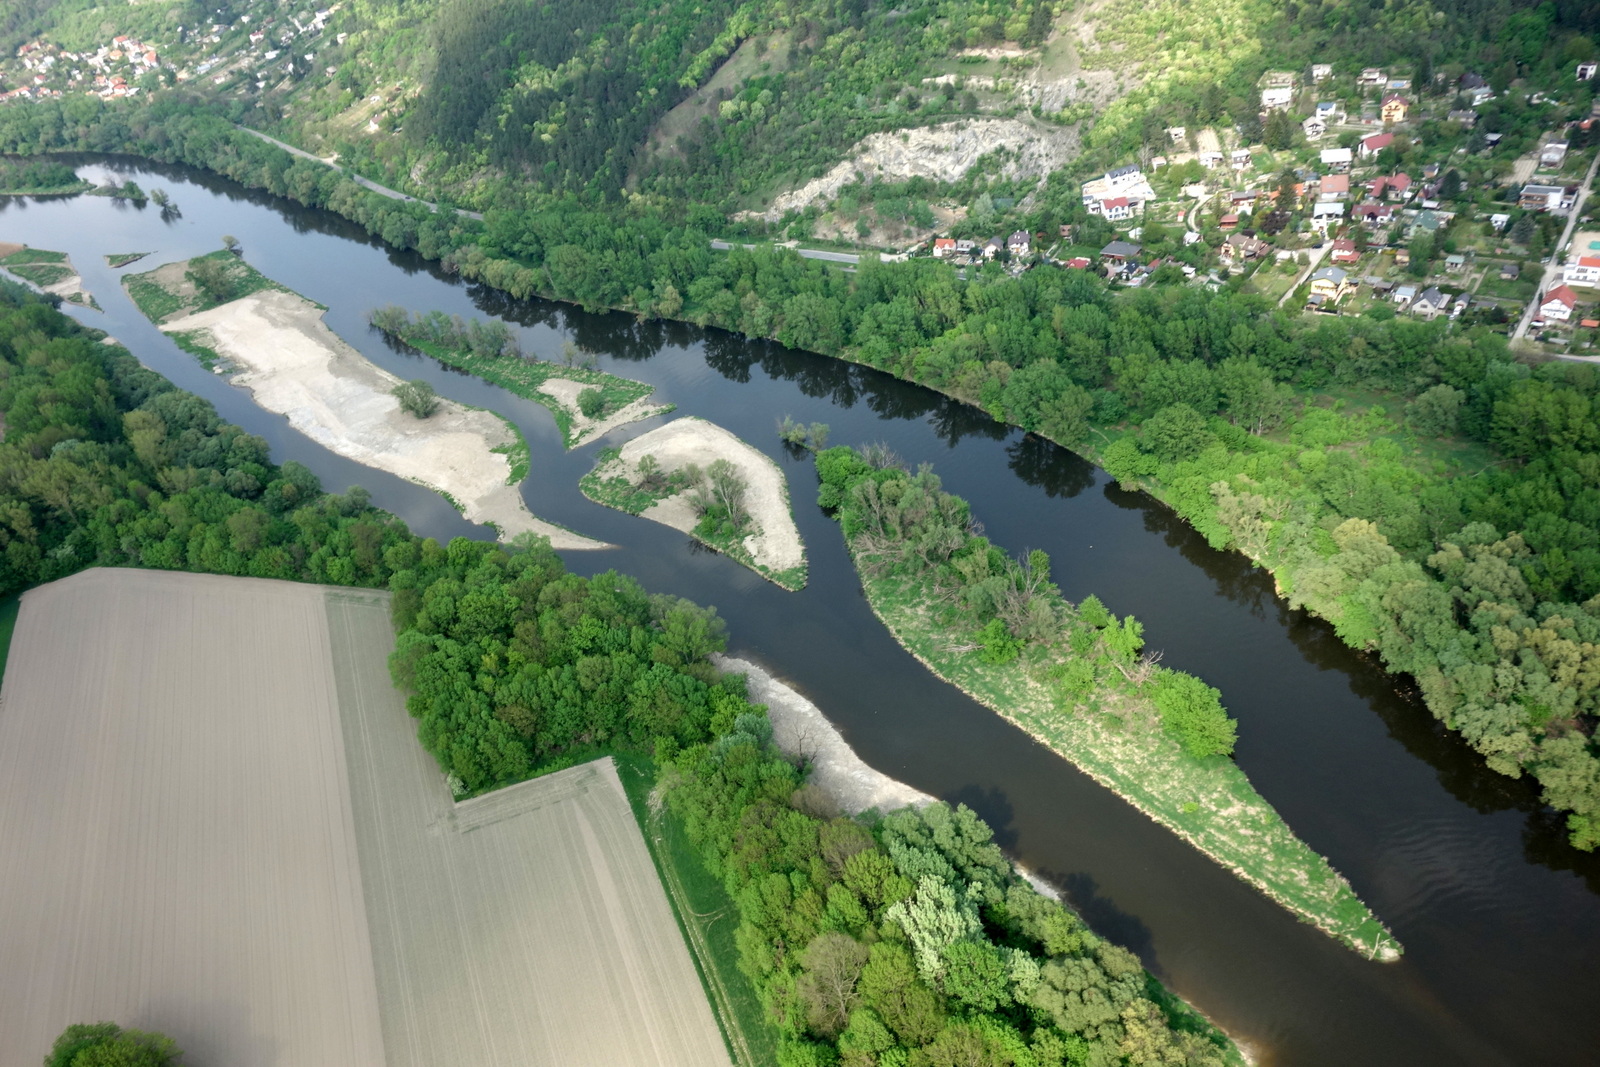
(1500,919)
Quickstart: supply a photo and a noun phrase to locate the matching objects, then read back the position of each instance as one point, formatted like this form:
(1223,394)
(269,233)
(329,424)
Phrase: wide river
(1500,919)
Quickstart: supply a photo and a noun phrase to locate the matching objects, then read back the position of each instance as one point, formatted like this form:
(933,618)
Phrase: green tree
(213,278)
(1192,711)
(1437,412)
(416,398)
(592,403)
(109,1045)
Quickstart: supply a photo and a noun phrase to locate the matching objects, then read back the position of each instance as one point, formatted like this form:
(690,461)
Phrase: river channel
(1500,919)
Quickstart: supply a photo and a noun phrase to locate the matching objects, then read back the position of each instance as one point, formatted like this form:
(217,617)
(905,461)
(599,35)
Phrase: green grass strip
(9,608)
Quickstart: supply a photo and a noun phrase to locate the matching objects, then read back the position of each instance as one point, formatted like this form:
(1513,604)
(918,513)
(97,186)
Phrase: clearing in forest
(694,476)
(218,823)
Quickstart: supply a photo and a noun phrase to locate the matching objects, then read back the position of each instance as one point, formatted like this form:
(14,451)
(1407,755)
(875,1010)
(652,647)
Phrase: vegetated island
(587,403)
(233,318)
(694,476)
(123,259)
(1076,679)
(40,178)
(52,272)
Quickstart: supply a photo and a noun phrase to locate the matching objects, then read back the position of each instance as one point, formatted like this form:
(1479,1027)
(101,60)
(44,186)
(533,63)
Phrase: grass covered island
(51,272)
(587,402)
(233,318)
(1077,678)
(694,476)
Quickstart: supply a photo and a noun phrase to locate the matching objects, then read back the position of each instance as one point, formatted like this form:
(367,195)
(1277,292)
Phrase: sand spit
(800,730)
(293,364)
(565,391)
(776,543)
(69,289)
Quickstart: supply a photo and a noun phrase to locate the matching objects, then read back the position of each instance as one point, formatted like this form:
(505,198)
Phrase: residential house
(1227,222)
(1468,118)
(1541,197)
(1480,96)
(1331,283)
(1373,214)
(1177,133)
(1585,270)
(1430,171)
(1126,181)
(1117,209)
(1119,252)
(944,246)
(1242,246)
(1459,305)
(1586,70)
(1327,110)
(1402,257)
(1314,127)
(965,247)
(1344,252)
(1240,158)
(1553,154)
(1455,263)
(1430,303)
(1337,158)
(1324,71)
(1390,186)
(1380,287)
(1404,294)
(1493,139)
(1335,186)
(1125,177)
(1208,148)
(1499,221)
(1590,324)
(1394,108)
(1510,272)
(1326,213)
(1019,243)
(1277,97)
(1371,78)
(1371,146)
(1079,263)
(992,247)
(1427,222)
(1558,304)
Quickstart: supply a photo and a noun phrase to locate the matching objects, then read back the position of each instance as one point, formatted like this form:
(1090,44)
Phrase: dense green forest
(1477,572)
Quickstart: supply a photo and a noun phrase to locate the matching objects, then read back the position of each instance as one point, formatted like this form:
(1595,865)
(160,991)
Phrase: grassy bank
(122,259)
(512,371)
(1071,676)
(50,190)
(707,917)
(608,484)
(168,292)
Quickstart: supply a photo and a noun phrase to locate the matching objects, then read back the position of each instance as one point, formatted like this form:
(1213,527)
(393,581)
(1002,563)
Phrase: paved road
(1552,273)
(808,253)
(1316,257)
(365,183)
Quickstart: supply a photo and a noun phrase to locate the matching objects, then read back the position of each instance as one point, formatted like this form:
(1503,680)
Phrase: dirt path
(776,543)
(293,364)
(585,429)
(799,729)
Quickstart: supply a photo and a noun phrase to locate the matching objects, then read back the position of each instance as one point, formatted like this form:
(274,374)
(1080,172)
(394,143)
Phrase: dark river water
(1500,919)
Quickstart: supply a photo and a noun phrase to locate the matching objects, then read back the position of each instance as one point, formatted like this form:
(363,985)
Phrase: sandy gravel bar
(519,929)
(584,429)
(776,543)
(177,848)
(801,730)
(293,364)
(69,288)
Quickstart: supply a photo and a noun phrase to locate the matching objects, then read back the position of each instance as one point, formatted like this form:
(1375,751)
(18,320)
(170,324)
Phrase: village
(1356,194)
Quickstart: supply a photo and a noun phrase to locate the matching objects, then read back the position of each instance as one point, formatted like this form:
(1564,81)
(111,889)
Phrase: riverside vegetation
(1075,677)
(907,941)
(489,350)
(1469,555)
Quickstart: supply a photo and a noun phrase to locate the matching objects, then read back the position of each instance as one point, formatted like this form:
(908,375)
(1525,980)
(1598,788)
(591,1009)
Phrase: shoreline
(1390,953)
(294,365)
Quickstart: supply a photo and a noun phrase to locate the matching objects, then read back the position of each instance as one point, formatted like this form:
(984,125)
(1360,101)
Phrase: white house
(1324,71)
(1240,158)
(1553,154)
(1585,270)
(1586,70)
(1499,222)
(1314,127)
(1326,213)
(1338,158)
(1277,97)
(1558,304)
(1117,209)
(1430,303)
(1177,133)
(1327,109)
(1371,78)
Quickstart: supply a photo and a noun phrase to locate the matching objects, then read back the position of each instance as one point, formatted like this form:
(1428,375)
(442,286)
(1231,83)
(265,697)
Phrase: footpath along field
(218,823)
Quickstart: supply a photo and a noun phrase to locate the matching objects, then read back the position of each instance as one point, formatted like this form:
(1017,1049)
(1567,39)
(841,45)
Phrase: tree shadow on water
(994,807)
(1082,894)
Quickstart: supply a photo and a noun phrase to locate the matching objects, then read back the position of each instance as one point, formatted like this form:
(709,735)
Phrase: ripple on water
(1431,860)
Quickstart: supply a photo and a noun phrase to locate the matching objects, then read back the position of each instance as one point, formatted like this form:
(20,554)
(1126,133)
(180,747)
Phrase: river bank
(294,365)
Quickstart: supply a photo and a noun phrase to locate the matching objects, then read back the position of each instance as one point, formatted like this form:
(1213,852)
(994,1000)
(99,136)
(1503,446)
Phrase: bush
(417,398)
(1193,712)
(592,403)
(109,1045)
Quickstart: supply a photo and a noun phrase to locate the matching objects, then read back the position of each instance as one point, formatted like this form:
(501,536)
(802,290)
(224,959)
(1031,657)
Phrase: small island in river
(293,364)
(694,476)
(51,272)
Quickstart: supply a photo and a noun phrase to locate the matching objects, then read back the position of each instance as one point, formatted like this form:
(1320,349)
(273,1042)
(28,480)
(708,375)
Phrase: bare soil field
(293,364)
(776,543)
(524,927)
(801,730)
(179,850)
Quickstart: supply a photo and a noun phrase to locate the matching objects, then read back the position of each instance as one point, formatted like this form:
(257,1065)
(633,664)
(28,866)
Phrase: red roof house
(1345,252)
